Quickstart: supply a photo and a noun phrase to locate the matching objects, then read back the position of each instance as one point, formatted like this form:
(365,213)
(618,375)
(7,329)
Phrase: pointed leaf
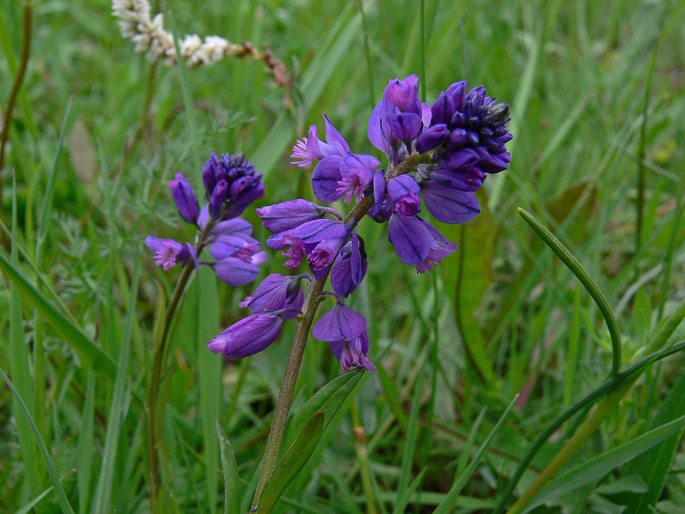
(328,400)
(229,467)
(292,463)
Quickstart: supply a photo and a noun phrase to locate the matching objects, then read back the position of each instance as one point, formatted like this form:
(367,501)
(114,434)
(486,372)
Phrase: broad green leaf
(653,466)
(52,473)
(328,400)
(467,275)
(631,483)
(642,315)
(88,351)
(292,463)
(229,467)
(597,467)
(601,505)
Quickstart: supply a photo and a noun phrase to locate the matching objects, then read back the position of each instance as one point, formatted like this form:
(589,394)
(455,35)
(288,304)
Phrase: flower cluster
(438,156)
(231,185)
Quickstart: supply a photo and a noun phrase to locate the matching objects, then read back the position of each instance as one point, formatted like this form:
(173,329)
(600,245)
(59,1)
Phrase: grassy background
(596,91)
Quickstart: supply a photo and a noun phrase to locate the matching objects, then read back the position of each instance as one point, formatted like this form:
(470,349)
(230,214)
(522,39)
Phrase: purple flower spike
(353,353)
(339,324)
(432,138)
(276,293)
(167,252)
(248,336)
(350,267)
(449,205)
(291,214)
(185,199)
(231,184)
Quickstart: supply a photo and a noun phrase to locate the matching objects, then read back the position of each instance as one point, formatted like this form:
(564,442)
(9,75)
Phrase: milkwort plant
(231,185)
(436,155)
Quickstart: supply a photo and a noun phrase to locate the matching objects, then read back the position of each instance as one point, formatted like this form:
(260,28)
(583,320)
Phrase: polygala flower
(248,336)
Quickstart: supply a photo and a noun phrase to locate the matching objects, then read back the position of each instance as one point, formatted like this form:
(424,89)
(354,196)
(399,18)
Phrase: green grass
(76,321)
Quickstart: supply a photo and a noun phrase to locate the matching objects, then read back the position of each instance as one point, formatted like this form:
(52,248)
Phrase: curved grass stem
(579,271)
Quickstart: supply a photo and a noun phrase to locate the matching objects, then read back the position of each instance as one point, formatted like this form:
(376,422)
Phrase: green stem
(152,410)
(16,85)
(597,417)
(589,284)
(588,400)
(304,324)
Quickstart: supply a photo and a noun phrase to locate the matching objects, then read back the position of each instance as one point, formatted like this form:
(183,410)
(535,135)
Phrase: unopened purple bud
(405,125)
(218,198)
(291,214)
(248,336)
(432,138)
(403,94)
(443,109)
(235,271)
(457,92)
(185,199)
(230,227)
(350,267)
(276,293)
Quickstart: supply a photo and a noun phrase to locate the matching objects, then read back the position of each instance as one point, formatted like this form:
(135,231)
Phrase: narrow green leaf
(229,467)
(629,484)
(577,268)
(88,351)
(328,400)
(85,445)
(597,467)
(448,503)
(52,473)
(410,440)
(20,366)
(35,501)
(402,503)
(103,492)
(653,466)
(210,367)
(292,463)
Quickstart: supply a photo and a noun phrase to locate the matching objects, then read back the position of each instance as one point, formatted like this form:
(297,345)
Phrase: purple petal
(340,323)
(411,239)
(449,205)
(248,336)
(375,131)
(325,179)
(334,138)
(235,272)
(232,227)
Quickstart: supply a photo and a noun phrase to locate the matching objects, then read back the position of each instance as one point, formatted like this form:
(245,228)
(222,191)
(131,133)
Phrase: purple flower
(350,267)
(185,199)
(403,193)
(312,149)
(235,226)
(237,259)
(167,252)
(291,214)
(339,324)
(248,336)
(417,242)
(231,184)
(336,177)
(276,293)
(353,352)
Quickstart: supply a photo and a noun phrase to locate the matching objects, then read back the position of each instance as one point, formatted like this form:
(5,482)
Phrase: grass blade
(447,504)
(230,472)
(597,467)
(103,493)
(52,473)
(85,445)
